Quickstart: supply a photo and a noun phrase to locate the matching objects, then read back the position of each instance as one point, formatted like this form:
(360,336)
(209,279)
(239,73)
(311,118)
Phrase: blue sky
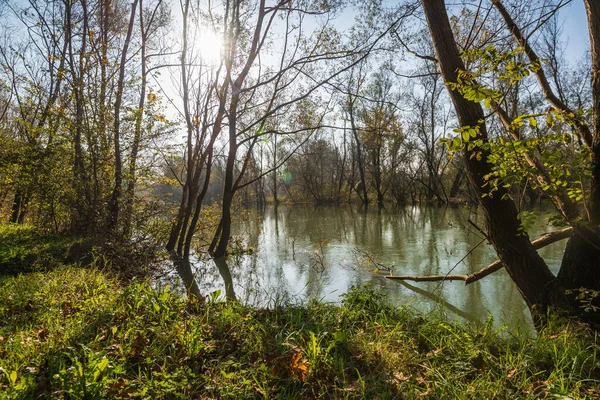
(576,31)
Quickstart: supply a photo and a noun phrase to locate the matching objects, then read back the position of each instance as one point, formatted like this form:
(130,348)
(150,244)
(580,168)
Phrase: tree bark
(16,207)
(593,14)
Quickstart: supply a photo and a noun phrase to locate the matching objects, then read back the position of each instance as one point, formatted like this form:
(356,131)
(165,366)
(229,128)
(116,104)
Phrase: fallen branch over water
(543,241)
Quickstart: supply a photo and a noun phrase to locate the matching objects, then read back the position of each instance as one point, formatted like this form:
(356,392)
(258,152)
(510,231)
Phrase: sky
(575,31)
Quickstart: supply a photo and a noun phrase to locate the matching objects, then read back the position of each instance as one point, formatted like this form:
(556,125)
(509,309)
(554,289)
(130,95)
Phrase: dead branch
(543,241)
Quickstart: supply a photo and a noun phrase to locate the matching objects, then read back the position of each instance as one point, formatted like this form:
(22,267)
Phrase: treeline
(98,94)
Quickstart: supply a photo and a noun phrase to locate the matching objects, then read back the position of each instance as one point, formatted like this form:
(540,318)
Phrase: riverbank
(81,332)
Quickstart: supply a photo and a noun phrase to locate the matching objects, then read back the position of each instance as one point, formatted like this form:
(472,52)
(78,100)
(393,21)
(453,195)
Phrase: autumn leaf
(298,366)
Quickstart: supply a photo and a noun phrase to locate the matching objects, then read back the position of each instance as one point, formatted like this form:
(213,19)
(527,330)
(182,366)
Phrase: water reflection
(225,273)
(185,272)
(447,306)
(307,252)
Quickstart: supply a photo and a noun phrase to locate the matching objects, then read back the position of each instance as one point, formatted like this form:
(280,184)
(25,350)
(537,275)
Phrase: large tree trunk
(526,268)
(593,14)
(580,266)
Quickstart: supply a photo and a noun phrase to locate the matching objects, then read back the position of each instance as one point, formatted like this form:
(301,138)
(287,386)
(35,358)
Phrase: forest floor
(79,332)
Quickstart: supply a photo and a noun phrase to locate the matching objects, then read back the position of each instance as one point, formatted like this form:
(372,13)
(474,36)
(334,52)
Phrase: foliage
(546,135)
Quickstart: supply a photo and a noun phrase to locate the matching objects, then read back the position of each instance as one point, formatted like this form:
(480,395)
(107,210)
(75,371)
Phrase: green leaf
(339,336)
(465,135)
(227,375)
(532,122)
(103,364)
(456,143)
(13,377)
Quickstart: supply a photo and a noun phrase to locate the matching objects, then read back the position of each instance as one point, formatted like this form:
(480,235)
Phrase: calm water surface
(305,252)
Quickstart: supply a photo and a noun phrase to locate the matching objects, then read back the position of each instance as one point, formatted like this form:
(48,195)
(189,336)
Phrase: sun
(210,46)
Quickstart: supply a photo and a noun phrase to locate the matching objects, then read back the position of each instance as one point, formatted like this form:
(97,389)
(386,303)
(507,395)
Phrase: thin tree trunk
(457,182)
(16,207)
(82,221)
(115,199)
(359,155)
(225,231)
(193,223)
(137,136)
(275,198)
(543,241)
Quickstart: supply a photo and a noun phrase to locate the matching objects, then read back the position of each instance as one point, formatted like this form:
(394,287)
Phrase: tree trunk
(16,207)
(115,199)
(275,198)
(137,135)
(82,222)
(457,182)
(225,227)
(593,14)
(526,268)
(359,156)
(228,186)
(580,266)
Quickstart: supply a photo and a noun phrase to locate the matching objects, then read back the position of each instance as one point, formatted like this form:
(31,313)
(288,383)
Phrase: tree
(539,288)
(429,123)
(72,105)
(354,87)
(381,132)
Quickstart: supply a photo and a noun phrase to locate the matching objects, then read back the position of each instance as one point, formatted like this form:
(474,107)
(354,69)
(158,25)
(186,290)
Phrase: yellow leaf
(532,122)
(299,366)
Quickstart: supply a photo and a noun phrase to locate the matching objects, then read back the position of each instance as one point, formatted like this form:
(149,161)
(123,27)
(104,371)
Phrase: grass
(76,333)
(24,249)
(80,333)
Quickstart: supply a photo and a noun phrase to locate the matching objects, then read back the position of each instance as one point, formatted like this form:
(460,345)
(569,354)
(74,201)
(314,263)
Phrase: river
(300,252)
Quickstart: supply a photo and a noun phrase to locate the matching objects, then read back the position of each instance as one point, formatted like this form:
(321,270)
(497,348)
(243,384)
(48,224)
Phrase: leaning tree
(579,275)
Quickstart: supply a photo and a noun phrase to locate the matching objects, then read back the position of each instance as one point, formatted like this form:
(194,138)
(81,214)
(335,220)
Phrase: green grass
(76,333)
(25,249)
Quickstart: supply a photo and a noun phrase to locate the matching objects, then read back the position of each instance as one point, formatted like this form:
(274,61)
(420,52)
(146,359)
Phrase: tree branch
(582,129)
(411,51)
(542,241)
